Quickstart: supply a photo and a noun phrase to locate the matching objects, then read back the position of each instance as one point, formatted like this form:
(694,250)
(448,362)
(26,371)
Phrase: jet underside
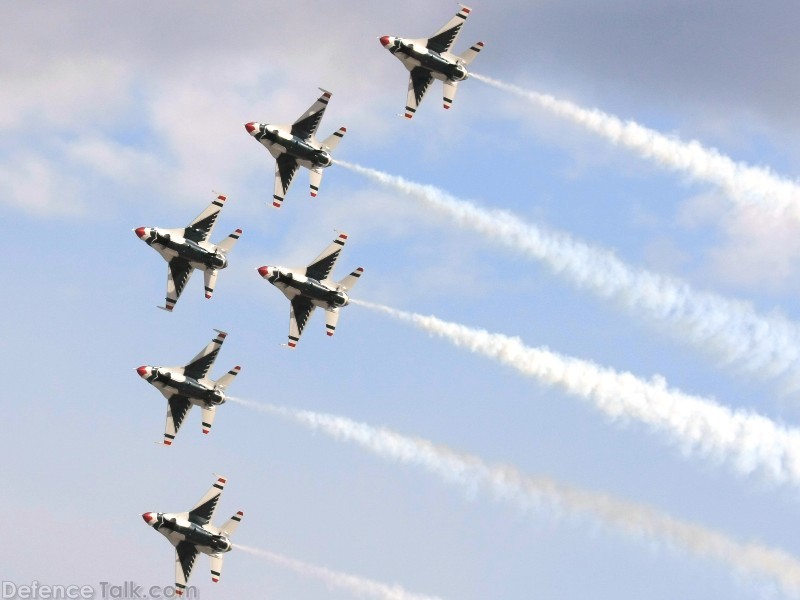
(306,154)
(442,67)
(319,294)
(188,387)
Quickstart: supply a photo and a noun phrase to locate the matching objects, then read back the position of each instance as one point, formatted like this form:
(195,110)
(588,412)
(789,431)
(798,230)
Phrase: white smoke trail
(362,588)
(750,442)
(537,493)
(744,184)
(765,345)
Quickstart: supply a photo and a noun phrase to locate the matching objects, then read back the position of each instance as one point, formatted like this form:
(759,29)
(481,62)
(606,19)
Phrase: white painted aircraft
(309,287)
(192,532)
(430,59)
(295,145)
(188,248)
(188,385)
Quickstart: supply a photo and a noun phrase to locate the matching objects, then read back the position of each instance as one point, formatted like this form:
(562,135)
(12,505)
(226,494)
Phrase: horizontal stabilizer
(349,281)
(224,381)
(229,527)
(331,318)
(208,417)
(216,566)
(315,179)
(333,140)
(469,55)
(226,244)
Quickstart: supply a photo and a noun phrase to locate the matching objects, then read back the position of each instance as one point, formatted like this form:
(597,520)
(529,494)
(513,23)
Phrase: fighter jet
(296,145)
(188,249)
(185,386)
(309,287)
(430,59)
(192,532)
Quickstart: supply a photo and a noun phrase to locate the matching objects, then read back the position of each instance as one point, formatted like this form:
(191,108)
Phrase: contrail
(744,184)
(363,588)
(765,345)
(750,442)
(528,493)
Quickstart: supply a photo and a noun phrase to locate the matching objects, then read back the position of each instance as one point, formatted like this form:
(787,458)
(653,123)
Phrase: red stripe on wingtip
(167,443)
(215,579)
(313,194)
(276,205)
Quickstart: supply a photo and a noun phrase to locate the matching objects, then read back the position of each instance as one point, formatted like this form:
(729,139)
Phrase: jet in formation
(188,385)
(296,145)
(192,532)
(309,287)
(430,59)
(188,249)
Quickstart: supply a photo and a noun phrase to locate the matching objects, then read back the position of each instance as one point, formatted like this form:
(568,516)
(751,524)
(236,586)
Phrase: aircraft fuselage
(308,154)
(201,256)
(441,67)
(164,379)
(178,529)
(293,284)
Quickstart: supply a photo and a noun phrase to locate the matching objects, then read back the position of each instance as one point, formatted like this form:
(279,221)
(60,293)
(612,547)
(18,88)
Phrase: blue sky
(119,116)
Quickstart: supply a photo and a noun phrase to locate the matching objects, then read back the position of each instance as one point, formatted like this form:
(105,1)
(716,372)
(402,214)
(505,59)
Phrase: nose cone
(385,40)
(141,232)
(149,517)
(251,127)
(143,371)
(263,271)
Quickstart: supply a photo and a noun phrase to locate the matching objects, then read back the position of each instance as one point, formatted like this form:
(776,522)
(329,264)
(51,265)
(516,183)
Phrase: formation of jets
(188,248)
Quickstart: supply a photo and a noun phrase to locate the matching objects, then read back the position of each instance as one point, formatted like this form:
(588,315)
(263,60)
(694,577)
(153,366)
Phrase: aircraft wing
(306,126)
(200,229)
(298,317)
(285,168)
(185,555)
(202,363)
(418,84)
(178,273)
(443,40)
(203,511)
(321,267)
(177,408)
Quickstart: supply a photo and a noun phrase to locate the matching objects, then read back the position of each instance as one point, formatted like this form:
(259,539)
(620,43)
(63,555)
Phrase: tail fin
(226,244)
(224,381)
(469,55)
(349,281)
(333,140)
(229,526)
